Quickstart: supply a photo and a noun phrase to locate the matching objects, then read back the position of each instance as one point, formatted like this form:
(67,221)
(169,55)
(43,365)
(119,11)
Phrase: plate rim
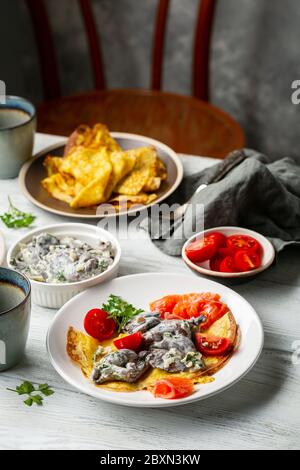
(159,404)
(2,248)
(173,155)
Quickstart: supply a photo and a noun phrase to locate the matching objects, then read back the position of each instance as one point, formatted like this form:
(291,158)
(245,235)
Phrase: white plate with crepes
(140,290)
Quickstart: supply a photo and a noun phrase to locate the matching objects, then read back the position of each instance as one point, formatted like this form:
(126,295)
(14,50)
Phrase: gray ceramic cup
(15,307)
(17,128)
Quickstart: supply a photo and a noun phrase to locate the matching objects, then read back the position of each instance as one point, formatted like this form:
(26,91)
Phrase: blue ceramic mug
(17,128)
(15,307)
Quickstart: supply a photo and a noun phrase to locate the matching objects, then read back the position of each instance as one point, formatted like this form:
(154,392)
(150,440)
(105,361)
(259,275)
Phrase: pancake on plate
(95,170)
(168,350)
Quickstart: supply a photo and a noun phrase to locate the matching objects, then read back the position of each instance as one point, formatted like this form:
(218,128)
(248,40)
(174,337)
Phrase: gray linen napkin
(257,194)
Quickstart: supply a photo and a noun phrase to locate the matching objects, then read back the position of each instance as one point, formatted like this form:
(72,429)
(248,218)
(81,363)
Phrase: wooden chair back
(47,56)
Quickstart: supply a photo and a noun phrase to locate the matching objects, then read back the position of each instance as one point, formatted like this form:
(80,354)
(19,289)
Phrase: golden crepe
(94,170)
(81,349)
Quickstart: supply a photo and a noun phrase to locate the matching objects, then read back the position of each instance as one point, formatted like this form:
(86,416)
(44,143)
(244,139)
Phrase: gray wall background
(255,57)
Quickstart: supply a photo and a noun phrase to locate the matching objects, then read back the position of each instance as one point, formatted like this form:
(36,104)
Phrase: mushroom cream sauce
(52,259)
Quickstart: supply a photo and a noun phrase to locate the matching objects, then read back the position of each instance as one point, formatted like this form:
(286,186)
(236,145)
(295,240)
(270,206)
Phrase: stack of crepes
(94,169)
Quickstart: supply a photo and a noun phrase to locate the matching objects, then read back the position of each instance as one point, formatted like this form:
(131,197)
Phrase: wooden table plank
(261,411)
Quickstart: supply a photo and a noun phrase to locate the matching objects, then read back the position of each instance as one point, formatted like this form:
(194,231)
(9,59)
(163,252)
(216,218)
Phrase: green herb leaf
(46,390)
(28,402)
(61,277)
(14,218)
(120,310)
(37,399)
(25,388)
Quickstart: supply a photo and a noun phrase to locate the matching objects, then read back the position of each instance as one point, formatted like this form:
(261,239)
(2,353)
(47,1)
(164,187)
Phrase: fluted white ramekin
(55,295)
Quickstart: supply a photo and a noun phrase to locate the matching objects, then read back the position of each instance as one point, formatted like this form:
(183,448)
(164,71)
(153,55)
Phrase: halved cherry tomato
(227,265)
(243,242)
(173,387)
(201,249)
(211,345)
(133,342)
(213,311)
(225,251)
(98,325)
(247,260)
(219,238)
(214,263)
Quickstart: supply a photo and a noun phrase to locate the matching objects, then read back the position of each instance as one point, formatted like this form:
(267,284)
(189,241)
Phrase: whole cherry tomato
(98,325)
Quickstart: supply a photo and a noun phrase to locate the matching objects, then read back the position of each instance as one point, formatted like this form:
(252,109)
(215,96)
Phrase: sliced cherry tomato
(213,311)
(243,242)
(225,251)
(133,342)
(201,249)
(247,260)
(211,345)
(219,238)
(98,325)
(227,265)
(214,263)
(173,387)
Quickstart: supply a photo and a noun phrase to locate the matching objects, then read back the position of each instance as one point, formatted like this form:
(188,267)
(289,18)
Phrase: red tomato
(219,238)
(225,251)
(214,263)
(211,345)
(227,265)
(133,342)
(173,387)
(247,260)
(98,325)
(201,249)
(213,311)
(243,242)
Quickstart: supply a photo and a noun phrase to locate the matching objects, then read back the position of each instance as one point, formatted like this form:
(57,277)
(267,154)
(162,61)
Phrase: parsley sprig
(14,218)
(35,394)
(120,310)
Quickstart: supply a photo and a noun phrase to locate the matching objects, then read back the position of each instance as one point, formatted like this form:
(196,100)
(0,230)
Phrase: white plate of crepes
(155,340)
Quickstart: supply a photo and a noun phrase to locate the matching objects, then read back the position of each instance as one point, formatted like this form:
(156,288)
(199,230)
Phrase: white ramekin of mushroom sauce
(64,259)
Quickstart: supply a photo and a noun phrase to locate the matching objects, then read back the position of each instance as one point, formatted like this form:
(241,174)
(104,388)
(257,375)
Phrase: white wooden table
(261,411)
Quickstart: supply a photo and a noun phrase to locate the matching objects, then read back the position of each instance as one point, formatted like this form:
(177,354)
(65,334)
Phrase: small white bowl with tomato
(228,252)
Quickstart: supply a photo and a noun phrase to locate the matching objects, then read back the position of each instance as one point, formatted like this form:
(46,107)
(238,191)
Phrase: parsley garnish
(14,218)
(61,277)
(120,310)
(27,388)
